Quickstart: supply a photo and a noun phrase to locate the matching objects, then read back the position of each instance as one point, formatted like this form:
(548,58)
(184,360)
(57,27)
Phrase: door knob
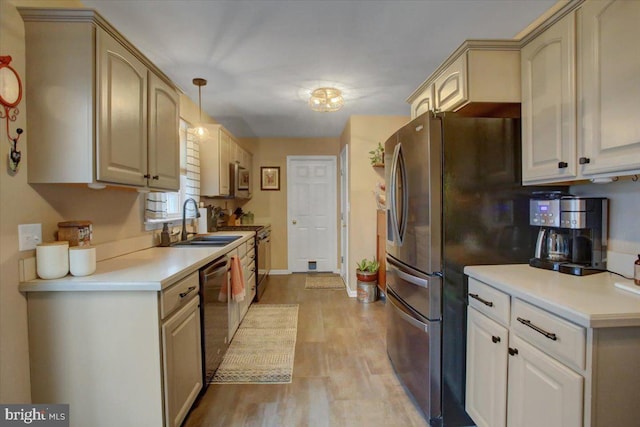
(294,222)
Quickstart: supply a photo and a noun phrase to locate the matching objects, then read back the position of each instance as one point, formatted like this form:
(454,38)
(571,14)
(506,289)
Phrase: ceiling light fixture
(326,99)
(200,129)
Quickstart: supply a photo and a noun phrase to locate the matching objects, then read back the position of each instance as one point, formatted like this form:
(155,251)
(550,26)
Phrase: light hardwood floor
(341,373)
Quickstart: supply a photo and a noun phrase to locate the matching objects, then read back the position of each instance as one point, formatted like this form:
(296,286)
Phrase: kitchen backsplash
(624,227)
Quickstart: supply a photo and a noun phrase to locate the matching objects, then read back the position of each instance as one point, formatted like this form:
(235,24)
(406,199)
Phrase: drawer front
(179,294)
(490,301)
(251,255)
(242,249)
(557,337)
(251,243)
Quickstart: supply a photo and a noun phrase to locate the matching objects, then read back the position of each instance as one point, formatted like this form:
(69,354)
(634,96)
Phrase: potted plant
(377,156)
(367,275)
(367,271)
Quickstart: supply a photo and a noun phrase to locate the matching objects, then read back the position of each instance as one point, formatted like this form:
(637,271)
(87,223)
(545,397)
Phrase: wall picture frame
(270,178)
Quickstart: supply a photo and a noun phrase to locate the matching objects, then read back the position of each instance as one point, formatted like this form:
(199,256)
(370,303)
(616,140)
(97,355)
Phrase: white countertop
(147,270)
(591,301)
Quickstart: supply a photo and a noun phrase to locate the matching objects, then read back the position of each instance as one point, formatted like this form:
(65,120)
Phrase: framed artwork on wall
(270,178)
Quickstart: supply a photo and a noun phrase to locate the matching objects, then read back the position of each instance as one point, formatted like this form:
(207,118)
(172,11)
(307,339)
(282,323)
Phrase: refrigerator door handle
(393,195)
(423,283)
(410,319)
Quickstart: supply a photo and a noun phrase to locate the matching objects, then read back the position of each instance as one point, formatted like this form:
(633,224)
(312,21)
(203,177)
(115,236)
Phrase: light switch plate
(29,235)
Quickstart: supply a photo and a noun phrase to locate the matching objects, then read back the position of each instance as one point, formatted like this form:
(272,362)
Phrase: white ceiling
(263,57)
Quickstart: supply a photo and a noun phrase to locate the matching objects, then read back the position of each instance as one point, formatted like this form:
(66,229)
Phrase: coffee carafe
(572,237)
(552,245)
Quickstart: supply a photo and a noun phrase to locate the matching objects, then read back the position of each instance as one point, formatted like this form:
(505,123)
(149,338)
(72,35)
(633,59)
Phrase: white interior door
(312,213)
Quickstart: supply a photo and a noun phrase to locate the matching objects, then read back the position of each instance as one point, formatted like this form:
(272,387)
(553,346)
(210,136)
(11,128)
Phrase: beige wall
(116,214)
(363,134)
(271,206)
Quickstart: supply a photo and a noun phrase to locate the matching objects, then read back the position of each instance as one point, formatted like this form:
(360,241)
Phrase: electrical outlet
(29,235)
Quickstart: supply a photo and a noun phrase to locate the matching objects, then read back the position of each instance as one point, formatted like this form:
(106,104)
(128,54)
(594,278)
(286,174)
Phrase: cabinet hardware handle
(562,165)
(189,290)
(484,301)
(513,351)
(155,177)
(495,339)
(537,329)
(584,160)
(147,176)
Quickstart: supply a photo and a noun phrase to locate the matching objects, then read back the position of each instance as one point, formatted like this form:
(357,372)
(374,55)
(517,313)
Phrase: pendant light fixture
(326,99)
(200,129)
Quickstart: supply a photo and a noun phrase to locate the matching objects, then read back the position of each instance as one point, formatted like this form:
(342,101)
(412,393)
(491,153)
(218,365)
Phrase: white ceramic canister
(52,259)
(82,260)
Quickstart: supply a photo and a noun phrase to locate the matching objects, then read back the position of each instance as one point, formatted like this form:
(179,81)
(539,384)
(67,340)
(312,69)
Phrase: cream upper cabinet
(450,87)
(482,77)
(548,105)
(164,121)
(100,112)
(215,160)
(122,114)
(609,87)
(423,102)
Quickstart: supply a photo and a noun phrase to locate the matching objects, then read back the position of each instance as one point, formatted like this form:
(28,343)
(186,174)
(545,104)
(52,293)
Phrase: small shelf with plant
(377,156)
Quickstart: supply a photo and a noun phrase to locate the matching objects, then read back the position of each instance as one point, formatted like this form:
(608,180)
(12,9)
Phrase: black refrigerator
(454,198)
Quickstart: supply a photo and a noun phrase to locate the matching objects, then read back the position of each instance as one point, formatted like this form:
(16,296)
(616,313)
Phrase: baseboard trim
(351,292)
(279,272)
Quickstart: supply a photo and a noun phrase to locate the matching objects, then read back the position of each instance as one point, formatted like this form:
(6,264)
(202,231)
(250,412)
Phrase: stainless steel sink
(209,240)
(216,238)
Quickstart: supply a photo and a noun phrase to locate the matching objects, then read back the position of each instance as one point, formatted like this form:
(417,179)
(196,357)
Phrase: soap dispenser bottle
(165,238)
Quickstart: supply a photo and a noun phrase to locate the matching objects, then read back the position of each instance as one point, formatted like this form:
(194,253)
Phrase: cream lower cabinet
(182,359)
(118,358)
(486,392)
(528,367)
(509,381)
(238,309)
(541,390)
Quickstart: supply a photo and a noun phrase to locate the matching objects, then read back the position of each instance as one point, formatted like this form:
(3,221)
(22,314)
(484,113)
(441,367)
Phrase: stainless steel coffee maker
(572,237)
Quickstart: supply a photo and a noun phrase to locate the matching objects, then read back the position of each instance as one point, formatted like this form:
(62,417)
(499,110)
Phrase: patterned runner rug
(263,348)
(324,282)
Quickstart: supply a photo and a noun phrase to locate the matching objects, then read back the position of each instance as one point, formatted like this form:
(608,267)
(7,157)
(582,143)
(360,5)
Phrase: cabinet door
(486,391)
(610,86)
(548,105)
(450,88)
(542,391)
(182,362)
(225,160)
(424,103)
(164,140)
(122,114)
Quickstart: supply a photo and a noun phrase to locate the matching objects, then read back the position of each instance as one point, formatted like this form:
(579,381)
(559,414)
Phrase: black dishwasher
(214,314)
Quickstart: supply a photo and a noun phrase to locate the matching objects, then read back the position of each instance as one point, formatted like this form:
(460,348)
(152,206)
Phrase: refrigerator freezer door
(414,185)
(419,291)
(413,346)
